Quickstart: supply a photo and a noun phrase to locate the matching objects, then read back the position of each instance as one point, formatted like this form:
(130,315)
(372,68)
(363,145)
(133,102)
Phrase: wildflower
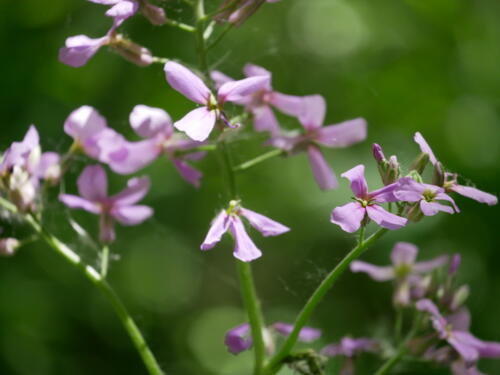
(238,339)
(198,123)
(259,103)
(350,216)
(455,330)
(389,170)
(230,219)
(122,9)
(425,195)
(404,270)
(241,10)
(340,135)
(93,189)
(451,183)
(155,125)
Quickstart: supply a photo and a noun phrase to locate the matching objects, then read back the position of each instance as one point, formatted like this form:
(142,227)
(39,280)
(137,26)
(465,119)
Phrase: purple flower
(335,136)
(350,216)
(451,183)
(454,330)
(239,339)
(349,347)
(259,103)
(79,49)
(241,10)
(155,125)
(244,250)
(93,189)
(404,270)
(122,9)
(198,123)
(409,190)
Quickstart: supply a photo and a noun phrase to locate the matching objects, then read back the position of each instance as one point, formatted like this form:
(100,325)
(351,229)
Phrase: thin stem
(398,325)
(277,361)
(221,36)
(200,40)
(259,159)
(361,235)
(212,147)
(180,25)
(95,278)
(104,261)
(231,178)
(252,306)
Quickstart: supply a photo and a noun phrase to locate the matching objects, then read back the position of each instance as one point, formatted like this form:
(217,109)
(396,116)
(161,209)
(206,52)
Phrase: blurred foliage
(406,66)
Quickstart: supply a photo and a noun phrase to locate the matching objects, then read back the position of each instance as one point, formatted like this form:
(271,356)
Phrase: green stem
(97,280)
(221,36)
(104,261)
(181,26)
(259,159)
(252,306)
(231,178)
(277,361)
(398,325)
(201,50)
(212,147)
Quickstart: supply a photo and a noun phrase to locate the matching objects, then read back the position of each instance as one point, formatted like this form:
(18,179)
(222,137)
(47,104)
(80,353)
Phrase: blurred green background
(406,66)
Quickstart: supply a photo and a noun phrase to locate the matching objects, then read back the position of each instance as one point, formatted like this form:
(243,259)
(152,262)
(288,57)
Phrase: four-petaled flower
(198,123)
(122,207)
(351,215)
(404,270)
(230,219)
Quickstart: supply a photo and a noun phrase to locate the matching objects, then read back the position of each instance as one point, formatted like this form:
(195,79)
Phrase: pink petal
(187,83)
(424,147)
(219,78)
(265,120)
(375,272)
(306,334)
(218,227)
(404,253)
(385,194)
(408,190)
(385,219)
(131,215)
(75,202)
(83,123)
(263,224)
(429,265)
(130,156)
(136,189)
(313,111)
(123,10)
(446,197)
(348,216)
(323,174)
(93,183)
(190,174)
(244,249)
(148,121)
(461,343)
(288,104)
(342,135)
(238,339)
(432,208)
(356,176)
(79,49)
(475,194)
(235,90)
(197,124)
(252,70)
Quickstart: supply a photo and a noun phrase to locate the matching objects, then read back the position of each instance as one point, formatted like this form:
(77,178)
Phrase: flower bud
(131,51)
(459,297)
(438,177)
(454,264)
(420,162)
(8,246)
(416,176)
(378,154)
(154,14)
(414,214)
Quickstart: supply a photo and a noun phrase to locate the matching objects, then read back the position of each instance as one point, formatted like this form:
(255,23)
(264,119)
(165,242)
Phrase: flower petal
(356,176)
(136,189)
(432,208)
(313,111)
(79,49)
(462,343)
(385,219)
(244,249)
(306,334)
(76,202)
(404,253)
(219,78)
(129,157)
(218,227)
(263,224)
(122,10)
(235,90)
(187,83)
(149,121)
(348,216)
(252,70)
(265,120)
(424,146)
(429,265)
(238,339)
(344,134)
(409,190)
(83,123)
(131,215)
(289,104)
(384,194)
(190,174)
(377,273)
(197,124)
(323,174)
(475,194)
(93,183)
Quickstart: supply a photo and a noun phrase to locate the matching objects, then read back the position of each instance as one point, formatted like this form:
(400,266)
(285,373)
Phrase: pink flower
(451,183)
(198,123)
(350,216)
(122,9)
(230,219)
(93,189)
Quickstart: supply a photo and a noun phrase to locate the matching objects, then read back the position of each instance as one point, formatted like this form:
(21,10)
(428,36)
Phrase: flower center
(402,270)
(429,195)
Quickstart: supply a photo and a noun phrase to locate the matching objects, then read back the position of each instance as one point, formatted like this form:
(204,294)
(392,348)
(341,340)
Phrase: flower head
(367,204)
(198,123)
(230,219)
(122,207)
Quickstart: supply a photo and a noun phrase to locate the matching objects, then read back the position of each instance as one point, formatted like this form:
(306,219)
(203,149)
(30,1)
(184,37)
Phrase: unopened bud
(421,288)
(420,162)
(414,214)
(378,154)
(8,246)
(460,297)
(416,176)
(131,51)
(439,175)
(154,14)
